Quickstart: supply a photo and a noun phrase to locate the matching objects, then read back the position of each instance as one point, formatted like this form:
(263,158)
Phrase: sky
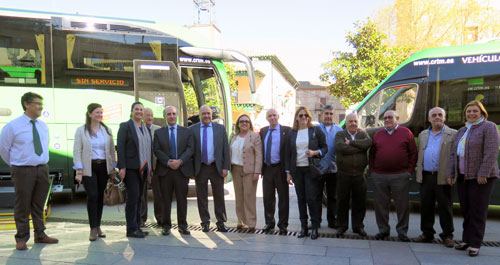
(302,34)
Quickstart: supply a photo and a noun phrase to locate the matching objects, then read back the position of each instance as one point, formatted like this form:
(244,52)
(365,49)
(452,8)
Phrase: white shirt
(353,136)
(98,145)
(16,142)
(237,151)
(302,144)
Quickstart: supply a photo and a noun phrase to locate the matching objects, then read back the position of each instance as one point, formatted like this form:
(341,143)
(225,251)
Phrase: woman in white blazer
(94,160)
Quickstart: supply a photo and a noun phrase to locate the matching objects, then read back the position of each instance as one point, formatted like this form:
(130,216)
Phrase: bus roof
(181,32)
(487,47)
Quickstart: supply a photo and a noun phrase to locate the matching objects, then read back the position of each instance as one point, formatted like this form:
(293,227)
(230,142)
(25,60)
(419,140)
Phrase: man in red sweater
(393,156)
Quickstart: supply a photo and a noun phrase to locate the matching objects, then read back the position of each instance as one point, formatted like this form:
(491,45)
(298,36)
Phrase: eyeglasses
(244,122)
(37,103)
(437,115)
(303,116)
(388,117)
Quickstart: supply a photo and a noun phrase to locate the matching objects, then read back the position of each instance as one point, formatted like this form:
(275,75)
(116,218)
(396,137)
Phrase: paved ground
(232,247)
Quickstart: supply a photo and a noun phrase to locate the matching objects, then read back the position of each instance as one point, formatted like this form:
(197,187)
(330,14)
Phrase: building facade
(315,95)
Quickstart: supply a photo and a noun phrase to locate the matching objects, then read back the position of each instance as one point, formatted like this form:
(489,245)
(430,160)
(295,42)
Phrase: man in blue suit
(211,162)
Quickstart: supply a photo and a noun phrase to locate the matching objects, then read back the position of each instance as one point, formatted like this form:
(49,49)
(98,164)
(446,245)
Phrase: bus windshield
(400,98)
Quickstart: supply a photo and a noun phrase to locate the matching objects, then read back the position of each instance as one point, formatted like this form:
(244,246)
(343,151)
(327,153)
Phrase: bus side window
(455,94)
(24,52)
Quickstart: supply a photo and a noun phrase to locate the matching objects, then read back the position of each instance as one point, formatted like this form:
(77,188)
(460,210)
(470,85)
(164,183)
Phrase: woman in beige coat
(246,164)
(94,160)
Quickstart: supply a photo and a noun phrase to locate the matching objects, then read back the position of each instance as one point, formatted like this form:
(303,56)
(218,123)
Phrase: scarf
(144,139)
(461,142)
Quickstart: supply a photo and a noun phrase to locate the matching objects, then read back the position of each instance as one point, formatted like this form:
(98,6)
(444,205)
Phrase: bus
(447,77)
(72,60)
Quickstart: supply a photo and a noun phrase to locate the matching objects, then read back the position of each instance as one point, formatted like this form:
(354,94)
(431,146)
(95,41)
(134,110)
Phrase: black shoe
(144,232)
(360,231)
(381,235)
(205,227)
(314,234)
(403,238)
(184,231)
(303,233)
(462,246)
(136,234)
(165,231)
(332,224)
(283,231)
(473,253)
(268,228)
(222,228)
(341,231)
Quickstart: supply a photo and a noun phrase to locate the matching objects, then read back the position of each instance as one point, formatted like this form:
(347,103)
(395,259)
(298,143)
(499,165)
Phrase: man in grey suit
(211,162)
(155,184)
(173,146)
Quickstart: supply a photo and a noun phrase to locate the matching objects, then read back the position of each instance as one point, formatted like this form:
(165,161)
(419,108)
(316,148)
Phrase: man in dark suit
(173,146)
(211,162)
(273,172)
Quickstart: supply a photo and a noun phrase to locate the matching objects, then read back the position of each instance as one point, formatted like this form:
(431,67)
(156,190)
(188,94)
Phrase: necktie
(173,147)
(204,146)
(268,147)
(36,140)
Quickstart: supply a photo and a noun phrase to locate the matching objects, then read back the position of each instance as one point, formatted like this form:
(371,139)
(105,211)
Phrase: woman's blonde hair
(237,129)
(477,104)
(296,123)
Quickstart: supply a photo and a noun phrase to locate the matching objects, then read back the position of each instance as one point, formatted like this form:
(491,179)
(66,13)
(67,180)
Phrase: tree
(430,23)
(354,74)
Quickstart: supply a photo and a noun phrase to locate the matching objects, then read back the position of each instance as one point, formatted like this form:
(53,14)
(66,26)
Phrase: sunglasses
(243,122)
(303,116)
(388,117)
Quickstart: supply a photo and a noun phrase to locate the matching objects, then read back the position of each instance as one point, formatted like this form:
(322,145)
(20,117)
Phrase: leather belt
(99,161)
(211,164)
(433,173)
(273,165)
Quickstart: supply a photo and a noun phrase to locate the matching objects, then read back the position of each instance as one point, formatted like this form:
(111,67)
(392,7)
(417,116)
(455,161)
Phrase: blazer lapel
(282,137)
(134,133)
(106,142)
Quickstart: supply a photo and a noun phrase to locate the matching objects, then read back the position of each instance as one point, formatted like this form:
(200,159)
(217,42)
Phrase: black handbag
(319,167)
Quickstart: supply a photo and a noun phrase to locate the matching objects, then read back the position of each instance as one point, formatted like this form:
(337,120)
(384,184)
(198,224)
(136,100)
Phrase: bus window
(99,60)
(201,87)
(455,94)
(400,98)
(24,46)
(157,85)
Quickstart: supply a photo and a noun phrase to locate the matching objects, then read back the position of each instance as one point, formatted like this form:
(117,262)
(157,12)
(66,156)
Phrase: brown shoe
(47,240)
(448,242)
(100,233)
(423,239)
(21,245)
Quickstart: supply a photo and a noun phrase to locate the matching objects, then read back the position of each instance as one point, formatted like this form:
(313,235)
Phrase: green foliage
(354,74)
(233,84)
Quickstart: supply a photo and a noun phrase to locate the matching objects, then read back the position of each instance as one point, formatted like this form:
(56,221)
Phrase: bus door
(202,86)
(157,84)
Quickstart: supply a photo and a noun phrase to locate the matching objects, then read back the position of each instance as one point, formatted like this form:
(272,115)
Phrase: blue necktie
(204,144)
(268,147)
(173,147)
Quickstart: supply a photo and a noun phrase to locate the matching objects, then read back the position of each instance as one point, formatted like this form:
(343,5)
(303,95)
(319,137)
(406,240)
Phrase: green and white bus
(448,77)
(73,60)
